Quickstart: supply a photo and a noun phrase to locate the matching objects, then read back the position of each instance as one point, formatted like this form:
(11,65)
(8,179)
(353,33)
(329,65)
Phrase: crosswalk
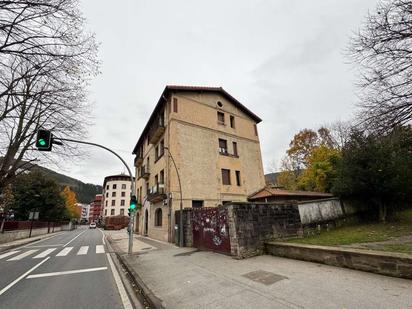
(18,255)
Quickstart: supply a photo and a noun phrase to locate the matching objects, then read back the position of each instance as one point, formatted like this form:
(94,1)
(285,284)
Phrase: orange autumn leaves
(70,201)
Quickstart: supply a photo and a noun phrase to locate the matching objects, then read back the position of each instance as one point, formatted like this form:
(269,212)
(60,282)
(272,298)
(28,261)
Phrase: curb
(148,295)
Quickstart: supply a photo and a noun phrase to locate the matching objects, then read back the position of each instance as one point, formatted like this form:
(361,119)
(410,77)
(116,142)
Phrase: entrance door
(146,222)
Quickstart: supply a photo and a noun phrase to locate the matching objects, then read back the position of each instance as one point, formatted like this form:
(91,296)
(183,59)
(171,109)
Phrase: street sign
(33,215)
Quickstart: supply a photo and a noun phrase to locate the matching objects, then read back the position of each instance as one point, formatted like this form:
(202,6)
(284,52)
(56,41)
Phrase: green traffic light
(42,142)
(132,206)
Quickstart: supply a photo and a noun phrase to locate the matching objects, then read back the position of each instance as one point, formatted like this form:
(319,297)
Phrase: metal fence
(26,225)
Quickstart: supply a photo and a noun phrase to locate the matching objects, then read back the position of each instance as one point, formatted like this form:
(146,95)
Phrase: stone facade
(185,124)
(251,224)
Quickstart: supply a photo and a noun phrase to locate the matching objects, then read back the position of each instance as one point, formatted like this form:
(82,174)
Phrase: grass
(364,233)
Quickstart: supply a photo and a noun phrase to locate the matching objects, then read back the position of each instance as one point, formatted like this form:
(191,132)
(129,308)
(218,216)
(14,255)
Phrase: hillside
(85,192)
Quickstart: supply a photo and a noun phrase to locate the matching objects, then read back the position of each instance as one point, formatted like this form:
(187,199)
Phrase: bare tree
(383,51)
(46,61)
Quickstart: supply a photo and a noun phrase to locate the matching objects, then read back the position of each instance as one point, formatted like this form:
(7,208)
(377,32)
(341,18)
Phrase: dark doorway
(146,222)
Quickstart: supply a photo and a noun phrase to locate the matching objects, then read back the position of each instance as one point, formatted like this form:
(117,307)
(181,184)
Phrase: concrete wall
(385,263)
(9,236)
(320,210)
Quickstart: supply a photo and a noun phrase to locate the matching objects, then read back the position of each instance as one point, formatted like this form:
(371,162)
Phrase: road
(70,270)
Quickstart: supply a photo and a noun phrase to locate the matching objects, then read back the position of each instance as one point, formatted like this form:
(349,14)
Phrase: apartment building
(95,207)
(213,140)
(116,195)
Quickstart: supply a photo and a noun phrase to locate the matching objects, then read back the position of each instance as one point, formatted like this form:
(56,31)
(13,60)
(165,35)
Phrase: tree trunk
(383,212)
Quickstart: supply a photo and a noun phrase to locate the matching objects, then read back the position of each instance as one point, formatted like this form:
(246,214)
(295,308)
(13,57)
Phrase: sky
(283,59)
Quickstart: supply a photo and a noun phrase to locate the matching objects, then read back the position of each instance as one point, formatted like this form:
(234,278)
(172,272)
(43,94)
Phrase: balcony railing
(157,129)
(156,193)
(144,172)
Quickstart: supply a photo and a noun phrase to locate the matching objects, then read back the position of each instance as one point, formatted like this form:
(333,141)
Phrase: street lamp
(181,200)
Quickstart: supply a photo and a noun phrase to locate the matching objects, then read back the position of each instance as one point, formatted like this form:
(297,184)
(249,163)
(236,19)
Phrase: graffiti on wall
(211,229)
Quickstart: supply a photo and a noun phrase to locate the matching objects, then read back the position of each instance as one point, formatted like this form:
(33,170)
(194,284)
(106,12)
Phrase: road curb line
(152,300)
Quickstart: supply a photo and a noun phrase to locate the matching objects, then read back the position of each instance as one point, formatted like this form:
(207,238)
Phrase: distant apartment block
(214,141)
(95,208)
(116,195)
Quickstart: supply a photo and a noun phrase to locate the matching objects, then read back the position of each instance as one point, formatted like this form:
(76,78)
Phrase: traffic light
(133,203)
(44,140)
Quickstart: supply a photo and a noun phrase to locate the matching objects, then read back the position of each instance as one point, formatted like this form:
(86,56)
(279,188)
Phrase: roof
(170,88)
(116,177)
(270,192)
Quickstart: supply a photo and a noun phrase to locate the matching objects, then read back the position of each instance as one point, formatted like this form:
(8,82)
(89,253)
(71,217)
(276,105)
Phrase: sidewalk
(24,241)
(187,278)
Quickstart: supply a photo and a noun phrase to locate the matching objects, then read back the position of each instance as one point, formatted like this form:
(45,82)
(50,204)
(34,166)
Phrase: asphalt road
(70,270)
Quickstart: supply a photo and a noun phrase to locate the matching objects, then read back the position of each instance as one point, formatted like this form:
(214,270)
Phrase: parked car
(92,225)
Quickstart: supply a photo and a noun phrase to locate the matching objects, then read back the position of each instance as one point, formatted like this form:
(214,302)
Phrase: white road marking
(99,249)
(8,254)
(23,255)
(83,250)
(122,291)
(22,276)
(73,238)
(67,272)
(44,253)
(65,251)
(103,237)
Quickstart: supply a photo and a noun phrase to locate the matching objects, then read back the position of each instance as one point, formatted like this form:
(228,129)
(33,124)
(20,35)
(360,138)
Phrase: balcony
(138,160)
(157,129)
(156,193)
(144,172)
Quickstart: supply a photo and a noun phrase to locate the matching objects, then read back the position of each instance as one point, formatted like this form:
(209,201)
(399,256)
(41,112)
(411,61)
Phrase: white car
(92,225)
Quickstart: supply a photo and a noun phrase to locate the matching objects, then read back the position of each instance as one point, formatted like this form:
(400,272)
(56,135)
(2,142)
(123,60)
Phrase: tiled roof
(270,192)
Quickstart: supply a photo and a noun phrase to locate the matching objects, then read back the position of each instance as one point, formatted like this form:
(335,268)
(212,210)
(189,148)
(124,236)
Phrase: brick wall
(251,224)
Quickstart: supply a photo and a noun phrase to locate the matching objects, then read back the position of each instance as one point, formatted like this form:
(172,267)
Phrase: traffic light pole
(131,222)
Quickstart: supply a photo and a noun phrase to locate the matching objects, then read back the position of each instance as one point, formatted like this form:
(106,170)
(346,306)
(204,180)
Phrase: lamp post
(181,200)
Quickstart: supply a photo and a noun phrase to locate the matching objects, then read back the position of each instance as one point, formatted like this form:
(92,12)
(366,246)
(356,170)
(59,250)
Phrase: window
(162,177)
(107,194)
(220,118)
(123,186)
(255,127)
(141,190)
(222,146)
(158,217)
(114,194)
(197,204)
(225,176)
(235,149)
(107,187)
(232,122)
(106,203)
(105,212)
(123,194)
(147,188)
(112,212)
(122,212)
(113,202)
(161,148)
(147,165)
(114,187)
(121,202)
(156,180)
(238,178)
(175,105)
(156,153)
(220,104)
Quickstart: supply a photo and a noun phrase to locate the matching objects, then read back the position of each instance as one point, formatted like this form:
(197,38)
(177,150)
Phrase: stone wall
(9,236)
(251,224)
(385,263)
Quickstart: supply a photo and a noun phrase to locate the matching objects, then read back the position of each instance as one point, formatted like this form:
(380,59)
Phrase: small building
(277,194)
(95,208)
(116,195)
(84,217)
